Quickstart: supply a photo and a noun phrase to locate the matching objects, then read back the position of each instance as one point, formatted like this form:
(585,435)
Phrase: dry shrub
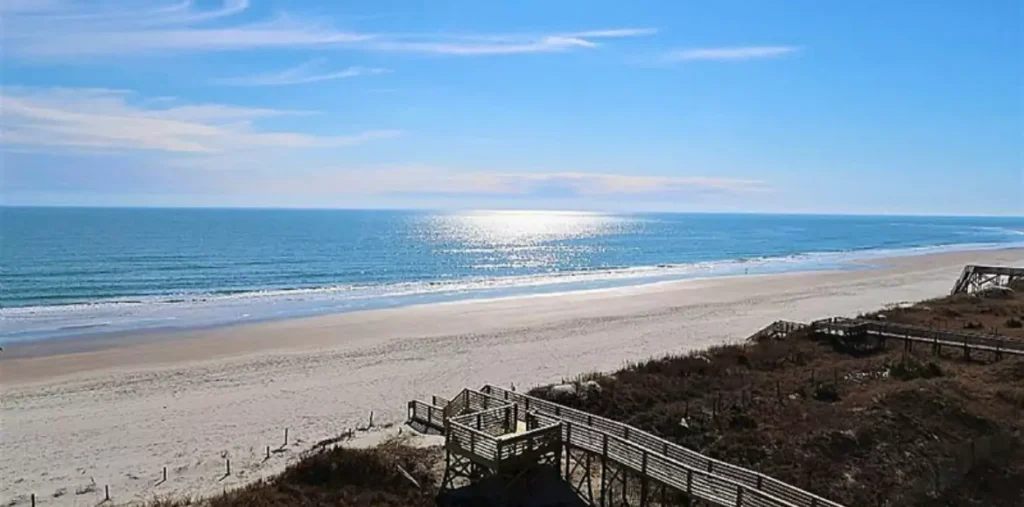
(340,476)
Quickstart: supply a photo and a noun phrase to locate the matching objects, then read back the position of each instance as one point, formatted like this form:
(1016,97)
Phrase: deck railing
(719,473)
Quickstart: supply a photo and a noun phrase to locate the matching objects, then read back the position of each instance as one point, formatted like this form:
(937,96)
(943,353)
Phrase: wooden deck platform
(976,278)
(482,440)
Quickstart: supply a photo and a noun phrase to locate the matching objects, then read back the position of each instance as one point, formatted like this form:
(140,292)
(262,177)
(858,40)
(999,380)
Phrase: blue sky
(806,107)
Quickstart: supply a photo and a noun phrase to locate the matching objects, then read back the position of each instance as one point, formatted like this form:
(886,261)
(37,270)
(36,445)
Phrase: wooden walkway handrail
(687,457)
(700,484)
(976,277)
(988,342)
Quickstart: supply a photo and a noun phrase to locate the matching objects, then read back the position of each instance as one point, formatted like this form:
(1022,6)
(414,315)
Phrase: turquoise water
(71,271)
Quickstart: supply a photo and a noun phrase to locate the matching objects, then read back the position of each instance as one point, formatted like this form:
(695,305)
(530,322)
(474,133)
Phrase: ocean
(67,272)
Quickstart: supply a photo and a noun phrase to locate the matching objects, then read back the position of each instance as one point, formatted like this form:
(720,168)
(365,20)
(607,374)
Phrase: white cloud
(417,180)
(105,120)
(309,72)
(731,53)
(75,29)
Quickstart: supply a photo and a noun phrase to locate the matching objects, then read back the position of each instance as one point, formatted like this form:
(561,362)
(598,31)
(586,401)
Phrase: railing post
(739,497)
(565,445)
(643,481)
(689,482)
(472,442)
(604,469)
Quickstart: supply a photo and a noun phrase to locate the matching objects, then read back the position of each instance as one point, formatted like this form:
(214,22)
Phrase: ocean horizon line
(825,214)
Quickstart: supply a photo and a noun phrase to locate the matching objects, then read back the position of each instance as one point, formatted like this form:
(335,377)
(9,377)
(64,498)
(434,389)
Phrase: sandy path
(118,415)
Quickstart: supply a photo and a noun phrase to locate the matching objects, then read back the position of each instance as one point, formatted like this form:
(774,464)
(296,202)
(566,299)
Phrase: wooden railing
(429,415)
(747,487)
(954,338)
(485,444)
(495,422)
(699,484)
(974,278)
(777,329)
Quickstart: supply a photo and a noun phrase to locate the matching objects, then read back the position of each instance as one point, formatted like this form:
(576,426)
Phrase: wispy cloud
(58,29)
(108,121)
(266,176)
(731,53)
(309,72)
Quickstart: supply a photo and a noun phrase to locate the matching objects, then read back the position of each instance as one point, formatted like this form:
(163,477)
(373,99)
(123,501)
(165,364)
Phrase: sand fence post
(33,500)
(106,493)
(165,474)
(268,452)
(285,437)
(227,463)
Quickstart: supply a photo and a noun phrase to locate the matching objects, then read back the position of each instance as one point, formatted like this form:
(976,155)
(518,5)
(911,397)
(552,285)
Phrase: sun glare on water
(523,228)
(522,239)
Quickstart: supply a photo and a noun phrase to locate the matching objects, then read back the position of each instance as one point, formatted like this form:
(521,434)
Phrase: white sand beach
(73,422)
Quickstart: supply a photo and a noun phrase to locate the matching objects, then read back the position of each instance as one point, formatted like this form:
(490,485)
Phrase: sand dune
(118,414)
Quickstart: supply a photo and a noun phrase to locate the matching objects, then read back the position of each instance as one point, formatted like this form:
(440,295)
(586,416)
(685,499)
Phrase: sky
(875,107)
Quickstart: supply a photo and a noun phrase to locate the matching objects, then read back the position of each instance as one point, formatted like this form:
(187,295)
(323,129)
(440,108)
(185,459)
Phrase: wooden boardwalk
(496,431)
(977,278)
(861,329)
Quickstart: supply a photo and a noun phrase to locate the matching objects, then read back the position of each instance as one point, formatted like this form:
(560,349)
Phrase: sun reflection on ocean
(521,239)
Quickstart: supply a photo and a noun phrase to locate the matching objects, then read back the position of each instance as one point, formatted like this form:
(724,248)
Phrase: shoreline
(105,321)
(89,341)
(82,354)
(186,399)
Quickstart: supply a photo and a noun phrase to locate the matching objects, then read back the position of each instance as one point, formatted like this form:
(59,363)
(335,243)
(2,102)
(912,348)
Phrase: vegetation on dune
(862,427)
(342,477)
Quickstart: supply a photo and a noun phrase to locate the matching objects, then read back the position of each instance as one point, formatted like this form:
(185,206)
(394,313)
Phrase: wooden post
(285,438)
(227,464)
(165,472)
(739,497)
(472,442)
(106,493)
(371,419)
(625,486)
(689,482)
(604,470)
(568,439)
(643,481)
(268,452)
(33,500)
